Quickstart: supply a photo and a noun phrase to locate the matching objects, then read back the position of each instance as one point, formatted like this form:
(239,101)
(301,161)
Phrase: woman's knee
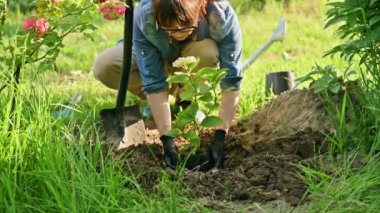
(107,67)
(101,65)
(206,50)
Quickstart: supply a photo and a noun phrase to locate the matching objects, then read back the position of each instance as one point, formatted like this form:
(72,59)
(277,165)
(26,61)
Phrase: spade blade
(129,131)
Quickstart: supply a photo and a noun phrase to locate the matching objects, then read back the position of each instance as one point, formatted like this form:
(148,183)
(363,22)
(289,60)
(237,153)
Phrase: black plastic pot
(278,82)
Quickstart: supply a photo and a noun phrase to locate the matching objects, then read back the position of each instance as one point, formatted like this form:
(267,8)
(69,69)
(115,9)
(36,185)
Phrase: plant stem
(17,81)
(215,99)
(194,88)
(3,17)
(77,13)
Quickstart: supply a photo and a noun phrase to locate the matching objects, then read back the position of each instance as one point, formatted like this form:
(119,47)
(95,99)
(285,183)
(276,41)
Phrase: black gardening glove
(217,148)
(170,151)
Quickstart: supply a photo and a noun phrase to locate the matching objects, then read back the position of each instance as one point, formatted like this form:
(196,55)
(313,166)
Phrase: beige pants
(108,65)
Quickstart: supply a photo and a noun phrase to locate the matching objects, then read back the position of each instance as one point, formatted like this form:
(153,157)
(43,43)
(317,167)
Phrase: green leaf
(352,20)
(335,87)
(326,79)
(174,132)
(205,87)
(188,87)
(190,112)
(212,106)
(193,138)
(372,2)
(321,83)
(371,37)
(205,71)
(186,116)
(183,121)
(350,73)
(187,95)
(364,58)
(206,97)
(178,78)
(334,21)
(212,121)
(374,20)
(304,79)
(220,76)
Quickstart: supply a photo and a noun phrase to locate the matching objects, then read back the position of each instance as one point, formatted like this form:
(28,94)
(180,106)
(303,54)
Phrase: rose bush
(42,34)
(38,24)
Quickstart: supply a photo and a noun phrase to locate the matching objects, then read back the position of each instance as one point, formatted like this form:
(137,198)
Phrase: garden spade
(124,125)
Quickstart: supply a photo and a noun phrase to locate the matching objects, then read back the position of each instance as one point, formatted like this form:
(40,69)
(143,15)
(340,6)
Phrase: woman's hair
(184,12)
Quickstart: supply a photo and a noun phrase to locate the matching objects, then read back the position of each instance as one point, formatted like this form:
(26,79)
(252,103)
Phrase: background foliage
(21,5)
(359,22)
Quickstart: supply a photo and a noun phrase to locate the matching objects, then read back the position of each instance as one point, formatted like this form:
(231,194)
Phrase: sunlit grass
(52,164)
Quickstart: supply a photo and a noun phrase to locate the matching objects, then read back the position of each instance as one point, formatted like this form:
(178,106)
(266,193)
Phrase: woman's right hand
(170,151)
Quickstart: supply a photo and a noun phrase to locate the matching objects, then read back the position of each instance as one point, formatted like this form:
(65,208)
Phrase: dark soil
(261,154)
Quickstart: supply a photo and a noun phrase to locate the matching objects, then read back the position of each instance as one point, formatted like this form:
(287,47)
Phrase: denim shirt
(153,47)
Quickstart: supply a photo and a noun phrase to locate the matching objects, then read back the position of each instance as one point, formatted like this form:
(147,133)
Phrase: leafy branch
(201,89)
(326,79)
(359,22)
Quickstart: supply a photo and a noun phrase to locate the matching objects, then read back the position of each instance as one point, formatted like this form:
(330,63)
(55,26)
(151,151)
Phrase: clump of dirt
(287,115)
(261,154)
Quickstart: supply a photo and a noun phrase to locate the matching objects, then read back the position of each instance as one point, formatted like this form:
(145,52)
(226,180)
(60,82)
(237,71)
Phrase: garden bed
(261,154)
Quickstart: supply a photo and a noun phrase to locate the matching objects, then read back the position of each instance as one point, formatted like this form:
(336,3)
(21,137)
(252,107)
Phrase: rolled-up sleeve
(226,31)
(148,59)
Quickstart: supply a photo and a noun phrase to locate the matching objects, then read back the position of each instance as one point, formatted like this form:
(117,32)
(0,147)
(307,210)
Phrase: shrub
(360,25)
(201,89)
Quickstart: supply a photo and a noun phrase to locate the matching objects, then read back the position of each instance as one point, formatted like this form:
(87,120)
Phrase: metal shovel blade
(130,131)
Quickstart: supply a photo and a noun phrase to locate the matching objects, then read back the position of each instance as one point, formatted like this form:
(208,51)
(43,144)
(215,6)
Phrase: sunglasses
(179,31)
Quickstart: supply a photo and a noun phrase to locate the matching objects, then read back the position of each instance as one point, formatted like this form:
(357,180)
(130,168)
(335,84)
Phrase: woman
(165,30)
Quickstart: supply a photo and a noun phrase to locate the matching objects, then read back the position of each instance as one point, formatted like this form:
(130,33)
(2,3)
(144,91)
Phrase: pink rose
(39,25)
(105,9)
(28,24)
(55,1)
(109,17)
(112,9)
(120,9)
(42,26)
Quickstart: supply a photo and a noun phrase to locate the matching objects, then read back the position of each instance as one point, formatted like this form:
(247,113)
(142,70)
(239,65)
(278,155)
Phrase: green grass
(354,185)
(46,164)
(348,189)
(59,165)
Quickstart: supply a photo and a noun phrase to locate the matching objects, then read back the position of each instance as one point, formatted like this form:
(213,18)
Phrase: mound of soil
(261,154)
